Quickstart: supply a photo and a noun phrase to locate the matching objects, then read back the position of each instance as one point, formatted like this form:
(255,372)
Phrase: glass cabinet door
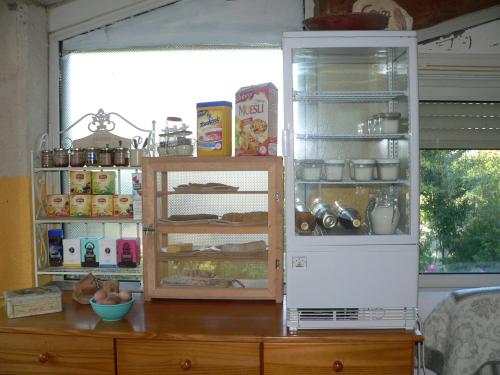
(216,227)
(351,138)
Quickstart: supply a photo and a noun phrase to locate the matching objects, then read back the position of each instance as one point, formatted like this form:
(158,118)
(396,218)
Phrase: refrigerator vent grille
(349,314)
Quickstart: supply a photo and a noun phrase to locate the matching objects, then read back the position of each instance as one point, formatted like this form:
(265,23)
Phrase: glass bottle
(323,214)
(304,219)
(349,218)
(55,237)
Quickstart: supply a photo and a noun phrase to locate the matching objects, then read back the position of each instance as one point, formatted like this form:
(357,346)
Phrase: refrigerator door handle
(286,142)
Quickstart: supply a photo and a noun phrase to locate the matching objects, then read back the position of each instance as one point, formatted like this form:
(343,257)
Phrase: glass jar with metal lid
(77,157)
(60,157)
(121,156)
(106,157)
(46,158)
(92,157)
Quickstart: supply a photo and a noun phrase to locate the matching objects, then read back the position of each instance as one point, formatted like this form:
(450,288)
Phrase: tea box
(128,250)
(32,301)
(57,205)
(71,253)
(102,205)
(80,182)
(103,183)
(256,120)
(89,249)
(107,253)
(80,205)
(122,206)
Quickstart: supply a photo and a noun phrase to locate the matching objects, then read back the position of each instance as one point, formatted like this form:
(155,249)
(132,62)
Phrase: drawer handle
(338,366)
(185,364)
(43,357)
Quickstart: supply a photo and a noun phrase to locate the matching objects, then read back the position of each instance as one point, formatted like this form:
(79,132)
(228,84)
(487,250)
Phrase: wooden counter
(192,336)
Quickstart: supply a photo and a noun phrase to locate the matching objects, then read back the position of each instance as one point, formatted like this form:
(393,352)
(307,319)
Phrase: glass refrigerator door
(351,142)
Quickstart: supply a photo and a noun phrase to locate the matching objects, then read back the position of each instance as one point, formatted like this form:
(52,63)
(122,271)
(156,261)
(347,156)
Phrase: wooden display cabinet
(213,227)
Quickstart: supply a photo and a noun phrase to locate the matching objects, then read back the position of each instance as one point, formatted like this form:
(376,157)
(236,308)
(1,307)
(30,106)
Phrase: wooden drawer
(142,357)
(42,354)
(351,358)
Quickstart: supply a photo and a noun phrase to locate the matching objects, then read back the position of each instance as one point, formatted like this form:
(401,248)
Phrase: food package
(214,129)
(89,249)
(256,120)
(107,253)
(102,205)
(80,182)
(80,205)
(128,250)
(103,183)
(85,288)
(57,205)
(123,206)
(71,253)
(32,301)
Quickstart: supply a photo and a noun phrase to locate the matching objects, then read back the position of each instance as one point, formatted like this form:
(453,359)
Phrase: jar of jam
(60,157)
(92,158)
(77,157)
(106,157)
(121,156)
(46,158)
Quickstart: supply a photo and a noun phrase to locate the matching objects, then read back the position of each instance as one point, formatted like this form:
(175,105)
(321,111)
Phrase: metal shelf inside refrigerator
(350,182)
(347,137)
(348,96)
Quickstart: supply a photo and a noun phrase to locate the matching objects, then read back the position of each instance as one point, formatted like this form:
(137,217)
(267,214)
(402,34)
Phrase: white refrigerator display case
(351,170)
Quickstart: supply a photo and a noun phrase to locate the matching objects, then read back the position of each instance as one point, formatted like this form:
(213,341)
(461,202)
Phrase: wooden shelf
(211,228)
(201,256)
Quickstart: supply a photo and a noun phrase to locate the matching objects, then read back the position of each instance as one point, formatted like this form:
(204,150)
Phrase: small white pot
(332,170)
(388,169)
(363,169)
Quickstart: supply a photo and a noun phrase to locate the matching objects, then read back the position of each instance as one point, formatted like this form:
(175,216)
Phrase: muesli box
(256,120)
(32,301)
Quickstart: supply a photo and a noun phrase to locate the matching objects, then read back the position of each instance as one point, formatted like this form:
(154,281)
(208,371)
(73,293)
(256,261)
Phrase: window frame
(458,77)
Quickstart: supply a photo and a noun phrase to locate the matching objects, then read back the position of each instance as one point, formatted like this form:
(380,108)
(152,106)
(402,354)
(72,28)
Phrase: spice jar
(92,158)
(46,158)
(121,156)
(106,157)
(77,157)
(60,157)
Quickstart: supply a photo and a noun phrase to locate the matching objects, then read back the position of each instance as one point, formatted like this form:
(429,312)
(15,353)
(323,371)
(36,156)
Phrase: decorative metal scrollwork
(101,121)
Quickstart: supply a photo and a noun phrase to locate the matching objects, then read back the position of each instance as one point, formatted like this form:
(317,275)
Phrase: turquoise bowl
(112,313)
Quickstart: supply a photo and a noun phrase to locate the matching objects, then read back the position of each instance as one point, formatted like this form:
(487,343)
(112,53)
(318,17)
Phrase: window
(151,84)
(459,188)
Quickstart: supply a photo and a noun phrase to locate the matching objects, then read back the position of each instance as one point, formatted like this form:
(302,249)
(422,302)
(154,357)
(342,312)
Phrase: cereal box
(107,253)
(102,205)
(80,182)
(71,251)
(57,205)
(256,117)
(103,183)
(214,129)
(122,206)
(80,205)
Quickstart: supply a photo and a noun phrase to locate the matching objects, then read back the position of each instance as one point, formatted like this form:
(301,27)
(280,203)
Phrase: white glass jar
(332,170)
(363,169)
(311,170)
(388,169)
(388,122)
